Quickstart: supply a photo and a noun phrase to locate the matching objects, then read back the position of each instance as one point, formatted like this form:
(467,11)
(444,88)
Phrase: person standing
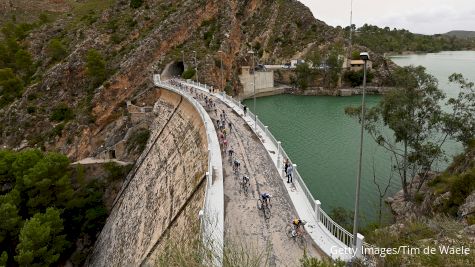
(290,170)
(245,110)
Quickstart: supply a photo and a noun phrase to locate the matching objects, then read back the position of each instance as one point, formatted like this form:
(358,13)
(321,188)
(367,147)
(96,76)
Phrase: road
(245,226)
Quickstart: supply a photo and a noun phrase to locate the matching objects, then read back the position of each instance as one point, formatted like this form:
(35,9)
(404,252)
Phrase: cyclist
(230,152)
(245,179)
(298,224)
(236,165)
(266,198)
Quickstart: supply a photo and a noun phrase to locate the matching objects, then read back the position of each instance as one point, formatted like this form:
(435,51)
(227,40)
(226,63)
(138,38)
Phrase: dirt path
(245,225)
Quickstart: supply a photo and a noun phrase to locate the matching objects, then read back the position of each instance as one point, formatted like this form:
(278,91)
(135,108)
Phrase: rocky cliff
(136,42)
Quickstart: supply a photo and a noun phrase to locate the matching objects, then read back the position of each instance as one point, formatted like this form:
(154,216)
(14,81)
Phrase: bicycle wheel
(289,231)
(259,204)
(267,212)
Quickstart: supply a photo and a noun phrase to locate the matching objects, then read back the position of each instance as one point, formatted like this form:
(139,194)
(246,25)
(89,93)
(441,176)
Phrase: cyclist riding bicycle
(298,223)
(231,152)
(245,179)
(236,165)
(266,198)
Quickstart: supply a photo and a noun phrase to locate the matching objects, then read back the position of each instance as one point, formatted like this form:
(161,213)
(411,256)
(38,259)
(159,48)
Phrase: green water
(324,142)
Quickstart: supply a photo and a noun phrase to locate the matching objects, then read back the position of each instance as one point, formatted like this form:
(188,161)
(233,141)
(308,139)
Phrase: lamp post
(251,52)
(365,57)
(222,75)
(196,66)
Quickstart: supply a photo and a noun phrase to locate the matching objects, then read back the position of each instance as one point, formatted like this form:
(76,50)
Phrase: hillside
(130,43)
(386,40)
(461,34)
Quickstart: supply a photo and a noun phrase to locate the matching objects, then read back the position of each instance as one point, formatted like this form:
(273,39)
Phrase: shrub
(136,3)
(96,67)
(138,140)
(61,113)
(188,74)
(56,50)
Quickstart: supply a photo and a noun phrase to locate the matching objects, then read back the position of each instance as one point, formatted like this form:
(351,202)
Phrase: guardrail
(212,214)
(341,236)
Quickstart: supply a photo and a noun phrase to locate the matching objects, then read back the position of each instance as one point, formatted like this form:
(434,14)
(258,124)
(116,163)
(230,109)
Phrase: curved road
(245,226)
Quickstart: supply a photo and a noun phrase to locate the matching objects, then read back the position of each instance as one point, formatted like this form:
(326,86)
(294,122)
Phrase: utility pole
(254,84)
(196,67)
(222,74)
(365,57)
(348,60)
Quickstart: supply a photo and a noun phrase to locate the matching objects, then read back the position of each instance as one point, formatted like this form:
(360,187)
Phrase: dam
(182,179)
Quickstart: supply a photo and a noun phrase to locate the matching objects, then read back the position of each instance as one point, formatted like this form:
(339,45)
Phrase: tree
(24,64)
(11,86)
(333,66)
(136,3)
(413,113)
(304,75)
(3,259)
(47,183)
(462,124)
(355,78)
(41,239)
(10,220)
(56,50)
(96,67)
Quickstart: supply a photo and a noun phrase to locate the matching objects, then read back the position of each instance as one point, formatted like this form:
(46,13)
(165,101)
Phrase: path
(244,223)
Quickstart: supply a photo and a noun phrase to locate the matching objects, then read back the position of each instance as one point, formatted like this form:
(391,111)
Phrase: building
(357,65)
(264,81)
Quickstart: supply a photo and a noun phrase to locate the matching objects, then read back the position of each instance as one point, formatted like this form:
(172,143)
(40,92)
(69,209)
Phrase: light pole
(222,75)
(251,52)
(365,57)
(183,57)
(196,66)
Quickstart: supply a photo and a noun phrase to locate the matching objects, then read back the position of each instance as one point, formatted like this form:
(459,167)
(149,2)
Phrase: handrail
(340,234)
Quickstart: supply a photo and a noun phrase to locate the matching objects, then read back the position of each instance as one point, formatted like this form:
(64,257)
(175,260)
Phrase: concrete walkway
(245,226)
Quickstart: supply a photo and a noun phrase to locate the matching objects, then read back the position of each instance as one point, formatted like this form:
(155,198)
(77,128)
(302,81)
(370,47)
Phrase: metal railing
(340,234)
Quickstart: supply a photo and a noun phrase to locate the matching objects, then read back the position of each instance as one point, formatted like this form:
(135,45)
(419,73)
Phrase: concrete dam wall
(164,192)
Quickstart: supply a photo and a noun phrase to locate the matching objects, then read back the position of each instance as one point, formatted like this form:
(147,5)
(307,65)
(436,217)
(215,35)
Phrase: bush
(188,74)
(56,50)
(11,86)
(136,3)
(61,113)
(96,67)
(355,78)
(138,140)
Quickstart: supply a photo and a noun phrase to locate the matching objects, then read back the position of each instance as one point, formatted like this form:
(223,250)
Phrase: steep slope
(135,43)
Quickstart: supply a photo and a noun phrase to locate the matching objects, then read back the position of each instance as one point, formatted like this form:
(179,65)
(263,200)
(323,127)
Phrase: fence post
(255,121)
(278,154)
(318,204)
(267,130)
(359,245)
(209,179)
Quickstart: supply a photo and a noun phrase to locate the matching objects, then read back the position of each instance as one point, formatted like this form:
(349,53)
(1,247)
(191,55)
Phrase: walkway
(245,226)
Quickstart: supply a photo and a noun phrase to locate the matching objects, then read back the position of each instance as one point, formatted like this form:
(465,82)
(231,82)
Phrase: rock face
(163,194)
(138,42)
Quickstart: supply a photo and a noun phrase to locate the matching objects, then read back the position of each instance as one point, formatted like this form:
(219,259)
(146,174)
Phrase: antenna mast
(351,36)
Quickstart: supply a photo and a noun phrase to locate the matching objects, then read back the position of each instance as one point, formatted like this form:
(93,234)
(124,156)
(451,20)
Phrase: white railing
(341,236)
(212,214)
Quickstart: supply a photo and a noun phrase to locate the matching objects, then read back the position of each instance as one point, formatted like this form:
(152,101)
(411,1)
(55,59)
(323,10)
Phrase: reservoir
(324,142)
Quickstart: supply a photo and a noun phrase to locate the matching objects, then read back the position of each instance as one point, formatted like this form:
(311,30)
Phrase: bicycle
(264,206)
(245,184)
(296,234)
(236,167)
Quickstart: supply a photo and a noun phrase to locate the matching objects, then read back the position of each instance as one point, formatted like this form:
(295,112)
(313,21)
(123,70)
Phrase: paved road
(245,226)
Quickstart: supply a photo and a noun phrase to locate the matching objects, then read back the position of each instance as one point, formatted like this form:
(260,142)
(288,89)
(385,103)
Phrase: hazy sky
(419,16)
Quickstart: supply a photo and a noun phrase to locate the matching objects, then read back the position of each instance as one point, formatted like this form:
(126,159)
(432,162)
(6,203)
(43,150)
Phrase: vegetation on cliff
(48,214)
(383,40)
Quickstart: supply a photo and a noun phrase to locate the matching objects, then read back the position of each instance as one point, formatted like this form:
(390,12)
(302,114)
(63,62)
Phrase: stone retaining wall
(164,192)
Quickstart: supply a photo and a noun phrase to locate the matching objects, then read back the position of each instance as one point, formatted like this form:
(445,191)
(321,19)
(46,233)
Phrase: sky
(418,16)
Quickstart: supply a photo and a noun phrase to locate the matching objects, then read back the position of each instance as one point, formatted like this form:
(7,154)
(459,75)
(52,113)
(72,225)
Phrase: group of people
(224,126)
